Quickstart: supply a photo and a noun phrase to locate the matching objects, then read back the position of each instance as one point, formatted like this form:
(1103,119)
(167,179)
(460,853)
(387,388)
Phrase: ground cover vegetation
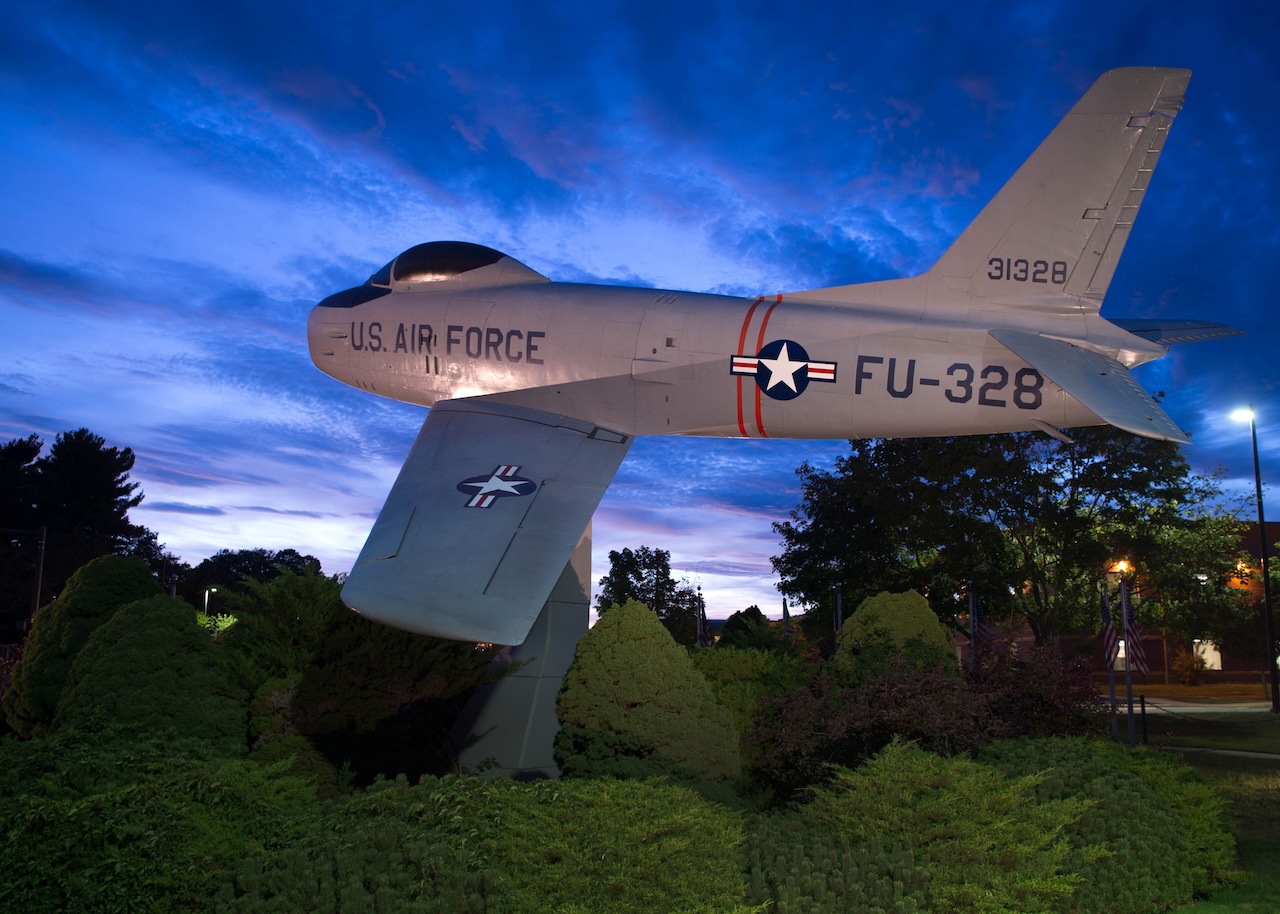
(282,754)
(186,769)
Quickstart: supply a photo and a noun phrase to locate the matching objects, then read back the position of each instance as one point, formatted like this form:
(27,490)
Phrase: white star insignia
(496,483)
(782,370)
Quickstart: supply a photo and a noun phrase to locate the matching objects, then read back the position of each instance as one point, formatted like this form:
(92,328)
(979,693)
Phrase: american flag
(1133,648)
(1110,640)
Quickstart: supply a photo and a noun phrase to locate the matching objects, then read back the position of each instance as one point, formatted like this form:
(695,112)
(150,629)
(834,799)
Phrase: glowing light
(1243,414)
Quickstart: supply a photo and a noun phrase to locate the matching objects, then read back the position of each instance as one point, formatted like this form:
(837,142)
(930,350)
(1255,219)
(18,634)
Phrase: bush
(634,705)
(989,848)
(151,668)
(801,870)
(392,848)
(383,700)
(800,736)
(1189,667)
(740,677)
(887,626)
(60,629)
(1152,857)
(94,823)
(606,845)
(1037,692)
(463,845)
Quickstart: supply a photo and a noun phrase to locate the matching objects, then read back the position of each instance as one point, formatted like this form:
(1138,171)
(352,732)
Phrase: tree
(634,705)
(281,624)
(62,628)
(81,493)
(229,569)
(644,575)
(17,549)
(83,497)
(1028,523)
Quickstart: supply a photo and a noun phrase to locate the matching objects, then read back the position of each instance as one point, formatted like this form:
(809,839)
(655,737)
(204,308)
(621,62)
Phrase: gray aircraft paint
(548,383)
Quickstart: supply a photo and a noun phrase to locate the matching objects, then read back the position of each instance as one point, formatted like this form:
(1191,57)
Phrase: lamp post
(207,591)
(1248,415)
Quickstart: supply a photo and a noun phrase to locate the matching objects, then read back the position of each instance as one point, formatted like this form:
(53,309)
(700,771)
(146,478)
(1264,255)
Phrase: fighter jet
(537,388)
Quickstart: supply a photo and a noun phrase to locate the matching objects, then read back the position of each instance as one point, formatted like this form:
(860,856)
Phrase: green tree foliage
(740,676)
(229,570)
(383,700)
(81,493)
(750,628)
(634,705)
(17,550)
(1162,833)
(891,625)
(1020,517)
(280,623)
(990,847)
(62,628)
(152,669)
(83,496)
(644,575)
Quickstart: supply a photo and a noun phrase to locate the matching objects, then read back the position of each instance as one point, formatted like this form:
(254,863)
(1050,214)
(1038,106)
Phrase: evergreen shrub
(1163,837)
(633,705)
(463,845)
(887,626)
(990,848)
(61,628)
(151,668)
(801,870)
(94,823)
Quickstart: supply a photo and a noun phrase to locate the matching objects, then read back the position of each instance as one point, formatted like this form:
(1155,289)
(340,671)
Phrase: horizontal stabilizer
(1101,384)
(482,519)
(1171,333)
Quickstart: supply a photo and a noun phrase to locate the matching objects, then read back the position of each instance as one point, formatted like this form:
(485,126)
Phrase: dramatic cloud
(183,181)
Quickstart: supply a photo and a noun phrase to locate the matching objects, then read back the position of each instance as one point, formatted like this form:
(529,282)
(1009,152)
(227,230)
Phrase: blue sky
(182,182)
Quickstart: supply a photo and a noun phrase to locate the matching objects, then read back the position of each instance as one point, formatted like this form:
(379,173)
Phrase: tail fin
(1054,233)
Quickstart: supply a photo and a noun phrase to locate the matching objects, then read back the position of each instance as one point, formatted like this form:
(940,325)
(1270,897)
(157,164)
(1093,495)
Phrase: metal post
(1128,651)
(1266,576)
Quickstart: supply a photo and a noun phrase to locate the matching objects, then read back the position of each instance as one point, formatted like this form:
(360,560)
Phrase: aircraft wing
(482,519)
(1102,384)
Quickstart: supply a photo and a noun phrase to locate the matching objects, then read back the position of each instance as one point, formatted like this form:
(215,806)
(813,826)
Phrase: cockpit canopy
(422,268)
(435,261)
(452,261)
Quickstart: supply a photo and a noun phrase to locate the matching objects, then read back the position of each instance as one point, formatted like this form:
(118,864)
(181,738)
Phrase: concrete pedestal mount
(508,729)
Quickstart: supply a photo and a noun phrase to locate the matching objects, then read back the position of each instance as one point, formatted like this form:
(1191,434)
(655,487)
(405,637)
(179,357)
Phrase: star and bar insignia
(783,369)
(501,483)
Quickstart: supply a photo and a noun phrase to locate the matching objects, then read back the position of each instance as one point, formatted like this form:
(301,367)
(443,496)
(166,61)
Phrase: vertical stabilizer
(1054,233)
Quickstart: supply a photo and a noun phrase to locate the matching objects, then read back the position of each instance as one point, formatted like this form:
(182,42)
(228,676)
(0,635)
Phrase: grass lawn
(1208,693)
(1253,785)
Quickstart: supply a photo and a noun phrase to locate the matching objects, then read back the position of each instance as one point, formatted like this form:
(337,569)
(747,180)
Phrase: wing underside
(1101,384)
(481,520)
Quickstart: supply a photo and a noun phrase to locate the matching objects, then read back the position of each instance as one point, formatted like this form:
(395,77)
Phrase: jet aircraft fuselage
(652,362)
(538,388)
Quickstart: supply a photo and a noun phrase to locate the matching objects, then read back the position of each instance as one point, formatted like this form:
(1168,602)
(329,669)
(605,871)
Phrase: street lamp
(1248,415)
(207,591)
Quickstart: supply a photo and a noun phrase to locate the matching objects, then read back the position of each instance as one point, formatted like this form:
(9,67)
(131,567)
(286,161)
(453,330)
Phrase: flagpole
(1128,655)
(1111,660)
